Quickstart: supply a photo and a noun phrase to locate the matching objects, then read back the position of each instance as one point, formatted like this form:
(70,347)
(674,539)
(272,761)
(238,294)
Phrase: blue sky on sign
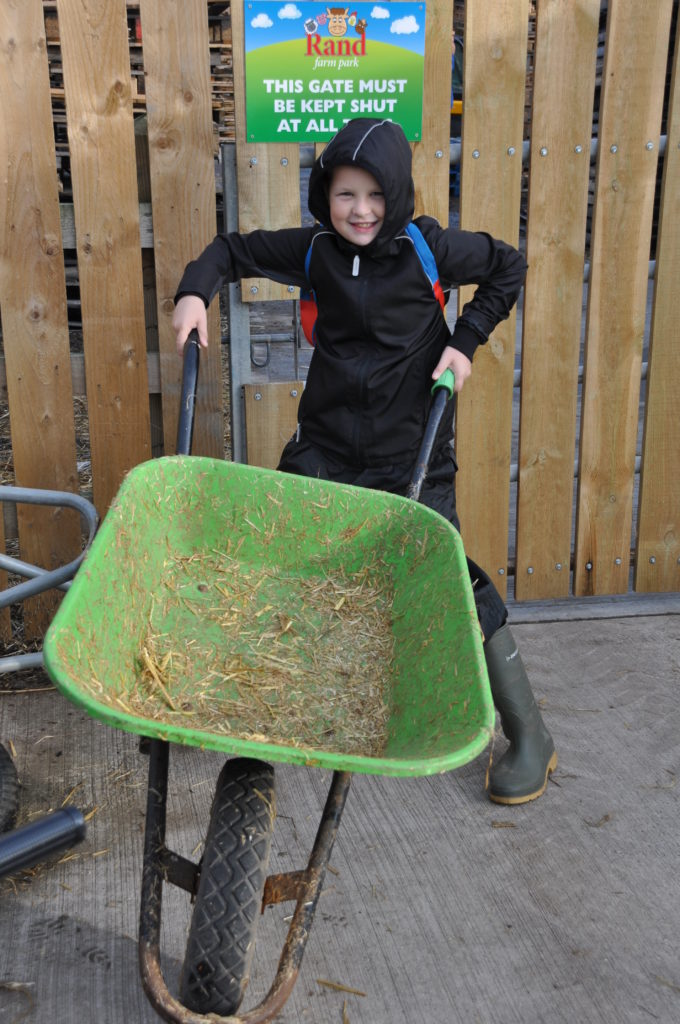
(276,21)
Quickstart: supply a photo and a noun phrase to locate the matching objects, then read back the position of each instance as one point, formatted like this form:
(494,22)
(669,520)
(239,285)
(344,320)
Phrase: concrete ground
(440,907)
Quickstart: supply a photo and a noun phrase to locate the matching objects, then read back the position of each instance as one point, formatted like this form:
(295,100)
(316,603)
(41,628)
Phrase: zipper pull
(355,266)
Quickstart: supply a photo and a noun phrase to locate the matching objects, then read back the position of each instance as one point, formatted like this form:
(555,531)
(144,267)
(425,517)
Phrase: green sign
(310,68)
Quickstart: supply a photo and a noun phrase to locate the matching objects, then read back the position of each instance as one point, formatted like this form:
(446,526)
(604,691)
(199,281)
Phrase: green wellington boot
(522,772)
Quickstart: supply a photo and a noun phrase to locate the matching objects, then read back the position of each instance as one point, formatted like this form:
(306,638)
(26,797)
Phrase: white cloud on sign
(289,12)
(405,26)
(380,12)
(262,21)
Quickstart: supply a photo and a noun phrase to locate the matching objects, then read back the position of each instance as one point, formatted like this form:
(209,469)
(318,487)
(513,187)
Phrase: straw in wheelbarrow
(304,661)
(249,611)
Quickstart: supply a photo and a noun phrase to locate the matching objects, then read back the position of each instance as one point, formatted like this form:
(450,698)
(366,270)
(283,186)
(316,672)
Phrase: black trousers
(438,493)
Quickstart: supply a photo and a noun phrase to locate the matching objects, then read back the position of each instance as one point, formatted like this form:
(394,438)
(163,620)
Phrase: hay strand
(236,649)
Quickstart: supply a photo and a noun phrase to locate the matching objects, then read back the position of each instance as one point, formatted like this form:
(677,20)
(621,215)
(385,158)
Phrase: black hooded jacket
(380,330)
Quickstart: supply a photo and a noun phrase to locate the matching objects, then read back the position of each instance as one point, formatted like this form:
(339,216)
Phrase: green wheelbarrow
(276,619)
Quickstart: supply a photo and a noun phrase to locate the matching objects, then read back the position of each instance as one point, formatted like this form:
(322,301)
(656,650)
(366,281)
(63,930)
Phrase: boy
(381,340)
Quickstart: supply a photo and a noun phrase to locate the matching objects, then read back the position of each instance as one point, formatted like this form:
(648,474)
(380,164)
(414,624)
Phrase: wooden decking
(440,906)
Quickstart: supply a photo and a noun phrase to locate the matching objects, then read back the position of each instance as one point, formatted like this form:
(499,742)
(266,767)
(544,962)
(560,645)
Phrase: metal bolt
(649,145)
(284,161)
(253,289)
(291,287)
(475,154)
(652,560)
(257,396)
(578,149)
(530,570)
(253,161)
(589,566)
(501,572)
(544,150)
(293,393)
(558,566)
(617,561)
(511,150)
(613,149)
(439,154)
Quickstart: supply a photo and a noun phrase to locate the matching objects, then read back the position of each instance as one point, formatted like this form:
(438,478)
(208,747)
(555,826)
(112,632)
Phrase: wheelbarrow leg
(152,871)
(303,886)
(308,892)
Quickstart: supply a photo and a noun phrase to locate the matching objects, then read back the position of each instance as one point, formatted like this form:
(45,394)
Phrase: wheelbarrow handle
(447,380)
(442,391)
(31,843)
(185,427)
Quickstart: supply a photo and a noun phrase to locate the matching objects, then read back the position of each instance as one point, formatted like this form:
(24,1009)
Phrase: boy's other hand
(190,312)
(452,359)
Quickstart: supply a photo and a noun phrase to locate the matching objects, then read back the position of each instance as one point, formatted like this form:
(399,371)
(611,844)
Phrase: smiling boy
(357,204)
(381,340)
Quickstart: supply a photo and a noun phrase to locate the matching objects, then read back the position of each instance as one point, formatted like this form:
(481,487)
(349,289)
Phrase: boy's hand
(190,312)
(452,359)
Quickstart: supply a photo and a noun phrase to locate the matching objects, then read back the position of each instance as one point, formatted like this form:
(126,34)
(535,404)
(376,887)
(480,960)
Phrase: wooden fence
(602,202)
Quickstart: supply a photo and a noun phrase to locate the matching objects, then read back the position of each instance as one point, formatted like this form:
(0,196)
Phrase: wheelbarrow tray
(183,529)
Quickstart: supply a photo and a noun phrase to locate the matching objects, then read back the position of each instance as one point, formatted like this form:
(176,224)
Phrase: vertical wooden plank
(179,112)
(564,85)
(658,544)
(431,154)
(271,419)
(630,120)
(33,297)
(97,82)
(495,69)
(268,174)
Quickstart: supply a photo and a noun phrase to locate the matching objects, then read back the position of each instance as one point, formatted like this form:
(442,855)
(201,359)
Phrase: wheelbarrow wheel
(9,790)
(233,871)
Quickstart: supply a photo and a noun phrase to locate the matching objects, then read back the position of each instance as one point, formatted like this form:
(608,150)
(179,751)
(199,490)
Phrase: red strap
(308,315)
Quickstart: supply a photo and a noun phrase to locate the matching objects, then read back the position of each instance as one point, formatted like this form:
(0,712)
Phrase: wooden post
(271,418)
(177,64)
(33,299)
(658,547)
(268,176)
(97,82)
(561,121)
(431,154)
(493,113)
(629,130)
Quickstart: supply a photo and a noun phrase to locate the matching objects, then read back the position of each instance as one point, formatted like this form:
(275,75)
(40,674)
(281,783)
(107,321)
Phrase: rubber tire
(9,790)
(221,939)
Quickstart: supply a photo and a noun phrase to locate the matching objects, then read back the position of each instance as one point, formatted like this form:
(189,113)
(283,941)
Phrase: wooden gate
(567,435)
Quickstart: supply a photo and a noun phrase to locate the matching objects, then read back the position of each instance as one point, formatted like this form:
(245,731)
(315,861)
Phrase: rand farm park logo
(311,67)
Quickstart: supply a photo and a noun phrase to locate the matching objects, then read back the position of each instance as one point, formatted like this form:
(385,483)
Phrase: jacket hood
(381,148)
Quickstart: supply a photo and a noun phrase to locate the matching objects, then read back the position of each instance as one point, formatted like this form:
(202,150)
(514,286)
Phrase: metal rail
(38,579)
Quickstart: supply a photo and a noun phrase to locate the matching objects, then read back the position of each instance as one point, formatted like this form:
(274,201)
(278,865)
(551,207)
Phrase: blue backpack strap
(428,263)
(308,259)
(308,307)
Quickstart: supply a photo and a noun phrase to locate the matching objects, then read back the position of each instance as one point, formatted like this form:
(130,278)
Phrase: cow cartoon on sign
(337,20)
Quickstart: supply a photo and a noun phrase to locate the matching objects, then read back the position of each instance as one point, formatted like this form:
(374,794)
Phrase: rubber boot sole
(552,765)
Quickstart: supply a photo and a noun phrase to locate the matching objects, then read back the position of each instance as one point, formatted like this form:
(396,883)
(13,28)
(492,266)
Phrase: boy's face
(357,204)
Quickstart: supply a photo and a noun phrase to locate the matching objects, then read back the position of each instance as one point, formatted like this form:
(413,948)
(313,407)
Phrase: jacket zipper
(362,376)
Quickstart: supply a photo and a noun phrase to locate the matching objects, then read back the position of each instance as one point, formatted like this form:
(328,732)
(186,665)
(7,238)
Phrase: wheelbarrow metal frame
(162,865)
(38,580)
